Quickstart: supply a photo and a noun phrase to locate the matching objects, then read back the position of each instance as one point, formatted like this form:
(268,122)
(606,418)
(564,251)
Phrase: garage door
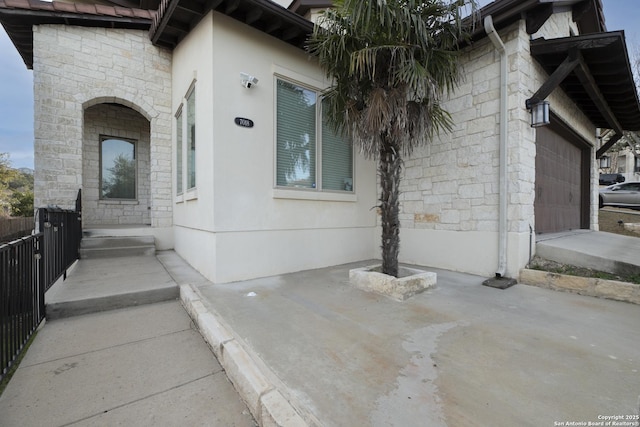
(562,196)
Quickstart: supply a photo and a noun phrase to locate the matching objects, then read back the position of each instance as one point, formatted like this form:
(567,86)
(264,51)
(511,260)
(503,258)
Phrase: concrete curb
(601,288)
(267,405)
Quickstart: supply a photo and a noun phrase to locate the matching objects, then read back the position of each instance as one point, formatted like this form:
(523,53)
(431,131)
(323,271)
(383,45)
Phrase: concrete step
(116,230)
(117,246)
(102,284)
(612,253)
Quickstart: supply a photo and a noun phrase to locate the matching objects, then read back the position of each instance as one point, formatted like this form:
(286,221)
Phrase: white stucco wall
(241,227)
(236,225)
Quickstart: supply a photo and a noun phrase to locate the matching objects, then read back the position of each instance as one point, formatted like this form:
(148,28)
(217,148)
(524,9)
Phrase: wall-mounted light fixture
(539,114)
(605,162)
(248,80)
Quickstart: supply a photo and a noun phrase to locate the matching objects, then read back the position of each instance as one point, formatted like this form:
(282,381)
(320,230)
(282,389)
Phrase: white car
(624,194)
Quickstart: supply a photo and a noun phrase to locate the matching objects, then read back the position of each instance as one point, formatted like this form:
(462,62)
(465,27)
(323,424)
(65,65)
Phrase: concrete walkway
(139,366)
(308,349)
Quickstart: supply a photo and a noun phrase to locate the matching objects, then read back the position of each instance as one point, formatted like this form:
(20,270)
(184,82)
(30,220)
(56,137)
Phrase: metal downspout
(503,189)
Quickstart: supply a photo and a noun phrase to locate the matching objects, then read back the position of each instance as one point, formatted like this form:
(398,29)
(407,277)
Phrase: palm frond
(400,52)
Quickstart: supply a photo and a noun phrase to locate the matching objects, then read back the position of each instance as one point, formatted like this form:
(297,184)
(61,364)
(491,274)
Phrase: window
(191,140)
(309,154)
(186,143)
(622,163)
(637,168)
(117,168)
(179,152)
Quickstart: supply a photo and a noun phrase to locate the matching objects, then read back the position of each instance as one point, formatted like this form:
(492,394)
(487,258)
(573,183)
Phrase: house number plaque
(245,123)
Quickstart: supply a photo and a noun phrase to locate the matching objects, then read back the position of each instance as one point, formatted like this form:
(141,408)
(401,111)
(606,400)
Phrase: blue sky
(16,82)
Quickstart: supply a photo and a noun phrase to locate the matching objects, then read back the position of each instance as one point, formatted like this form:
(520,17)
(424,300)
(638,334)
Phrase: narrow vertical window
(296,136)
(191,140)
(337,160)
(179,152)
(309,153)
(117,168)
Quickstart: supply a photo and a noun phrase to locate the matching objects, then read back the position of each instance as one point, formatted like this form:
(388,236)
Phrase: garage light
(540,114)
(605,162)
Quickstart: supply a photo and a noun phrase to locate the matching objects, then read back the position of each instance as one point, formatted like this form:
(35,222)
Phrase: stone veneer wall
(121,122)
(76,68)
(451,185)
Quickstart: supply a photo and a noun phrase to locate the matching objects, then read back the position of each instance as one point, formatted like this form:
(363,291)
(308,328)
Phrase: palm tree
(391,62)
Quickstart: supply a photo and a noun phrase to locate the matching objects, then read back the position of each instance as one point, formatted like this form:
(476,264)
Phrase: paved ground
(459,355)
(141,366)
(613,253)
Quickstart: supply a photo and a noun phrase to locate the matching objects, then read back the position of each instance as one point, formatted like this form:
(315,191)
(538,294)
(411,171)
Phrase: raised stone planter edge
(601,288)
(412,282)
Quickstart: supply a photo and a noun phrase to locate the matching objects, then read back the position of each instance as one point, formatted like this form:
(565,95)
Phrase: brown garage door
(562,196)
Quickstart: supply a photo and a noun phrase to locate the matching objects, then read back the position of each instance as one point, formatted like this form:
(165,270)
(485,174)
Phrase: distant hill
(26,171)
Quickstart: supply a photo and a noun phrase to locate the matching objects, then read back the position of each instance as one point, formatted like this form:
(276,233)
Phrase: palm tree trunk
(389,168)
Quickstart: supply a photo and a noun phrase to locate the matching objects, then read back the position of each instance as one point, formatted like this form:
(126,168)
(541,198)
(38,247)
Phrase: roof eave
(19,23)
(165,30)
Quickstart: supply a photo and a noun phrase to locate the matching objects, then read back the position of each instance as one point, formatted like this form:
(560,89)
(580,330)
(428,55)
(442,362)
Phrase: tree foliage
(121,182)
(391,63)
(22,203)
(16,189)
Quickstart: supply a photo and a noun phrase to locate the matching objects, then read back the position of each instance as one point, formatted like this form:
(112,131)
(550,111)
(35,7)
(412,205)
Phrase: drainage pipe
(503,189)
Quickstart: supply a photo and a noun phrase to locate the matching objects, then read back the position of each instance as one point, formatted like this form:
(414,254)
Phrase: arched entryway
(116,166)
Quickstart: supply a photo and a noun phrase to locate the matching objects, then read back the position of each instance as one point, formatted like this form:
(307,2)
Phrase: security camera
(248,80)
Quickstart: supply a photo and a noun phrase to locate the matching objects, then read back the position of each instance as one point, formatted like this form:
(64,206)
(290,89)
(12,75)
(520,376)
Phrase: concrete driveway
(460,354)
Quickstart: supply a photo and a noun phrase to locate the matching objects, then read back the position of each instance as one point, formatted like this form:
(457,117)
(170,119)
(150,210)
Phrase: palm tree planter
(390,61)
(410,282)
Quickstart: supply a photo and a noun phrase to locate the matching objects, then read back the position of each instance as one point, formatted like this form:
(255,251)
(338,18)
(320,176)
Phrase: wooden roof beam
(253,15)
(615,138)
(232,6)
(554,80)
(274,25)
(589,83)
(191,6)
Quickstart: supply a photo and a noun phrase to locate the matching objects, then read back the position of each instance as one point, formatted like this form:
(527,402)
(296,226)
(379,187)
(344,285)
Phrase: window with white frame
(118,168)
(309,153)
(186,142)
(179,176)
(191,139)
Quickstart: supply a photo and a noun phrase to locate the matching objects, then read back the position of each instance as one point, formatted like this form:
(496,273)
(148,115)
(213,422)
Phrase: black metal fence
(62,232)
(28,267)
(21,296)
